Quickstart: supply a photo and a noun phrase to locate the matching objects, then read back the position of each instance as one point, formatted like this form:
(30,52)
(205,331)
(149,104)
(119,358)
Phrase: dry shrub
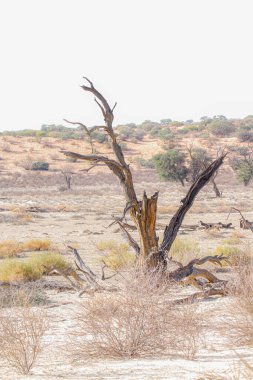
(138,321)
(240,312)
(16,296)
(27,163)
(6,147)
(116,255)
(21,332)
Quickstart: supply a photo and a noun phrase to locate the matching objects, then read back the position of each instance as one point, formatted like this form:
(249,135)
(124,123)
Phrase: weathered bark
(244,223)
(216,190)
(145,222)
(171,230)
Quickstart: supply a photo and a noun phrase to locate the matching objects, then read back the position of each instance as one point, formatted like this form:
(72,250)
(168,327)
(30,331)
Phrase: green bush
(145,163)
(99,137)
(245,136)
(243,169)
(40,165)
(31,268)
(221,128)
(171,166)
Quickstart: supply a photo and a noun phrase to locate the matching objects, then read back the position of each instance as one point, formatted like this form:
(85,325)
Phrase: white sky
(178,59)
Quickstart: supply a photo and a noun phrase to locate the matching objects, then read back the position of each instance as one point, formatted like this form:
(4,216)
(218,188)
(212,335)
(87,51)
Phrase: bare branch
(86,130)
(171,230)
(130,239)
(112,164)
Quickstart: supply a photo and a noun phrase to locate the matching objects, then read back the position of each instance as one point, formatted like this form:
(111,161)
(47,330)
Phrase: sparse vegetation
(21,332)
(116,255)
(134,323)
(31,268)
(10,248)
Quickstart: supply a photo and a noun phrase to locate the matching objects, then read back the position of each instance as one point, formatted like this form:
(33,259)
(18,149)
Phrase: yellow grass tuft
(183,250)
(36,245)
(116,255)
(235,254)
(32,268)
(11,248)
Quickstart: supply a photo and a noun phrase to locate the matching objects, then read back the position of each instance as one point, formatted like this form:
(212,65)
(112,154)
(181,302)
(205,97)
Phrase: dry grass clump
(235,254)
(21,332)
(184,249)
(234,238)
(116,255)
(37,245)
(32,268)
(138,321)
(11,248)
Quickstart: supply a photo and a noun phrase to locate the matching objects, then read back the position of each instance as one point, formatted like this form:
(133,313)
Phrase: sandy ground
(80,218)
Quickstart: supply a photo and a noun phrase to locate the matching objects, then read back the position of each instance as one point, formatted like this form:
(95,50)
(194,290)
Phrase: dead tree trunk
(142,212)
(216,190)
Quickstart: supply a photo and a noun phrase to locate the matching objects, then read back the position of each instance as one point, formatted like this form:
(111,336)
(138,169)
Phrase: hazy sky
(178,59)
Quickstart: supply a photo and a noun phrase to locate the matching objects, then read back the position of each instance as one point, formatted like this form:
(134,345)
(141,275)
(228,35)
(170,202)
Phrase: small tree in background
(199,161)
(171,166)
(243,165)
(67,173)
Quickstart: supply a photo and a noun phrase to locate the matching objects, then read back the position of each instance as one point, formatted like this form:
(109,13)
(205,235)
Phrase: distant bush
(145,163)
(99,137)
(154,131)
(243,169)
(245,136)
(165,134)
(138,134)
(171,166)
(40,165)
(221,128)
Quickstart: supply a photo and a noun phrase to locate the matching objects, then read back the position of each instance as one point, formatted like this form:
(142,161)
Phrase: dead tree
(68,176)
(143,212)
(244,223)
(199,161)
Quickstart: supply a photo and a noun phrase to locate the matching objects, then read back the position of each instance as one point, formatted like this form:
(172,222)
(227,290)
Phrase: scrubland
(140,330)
